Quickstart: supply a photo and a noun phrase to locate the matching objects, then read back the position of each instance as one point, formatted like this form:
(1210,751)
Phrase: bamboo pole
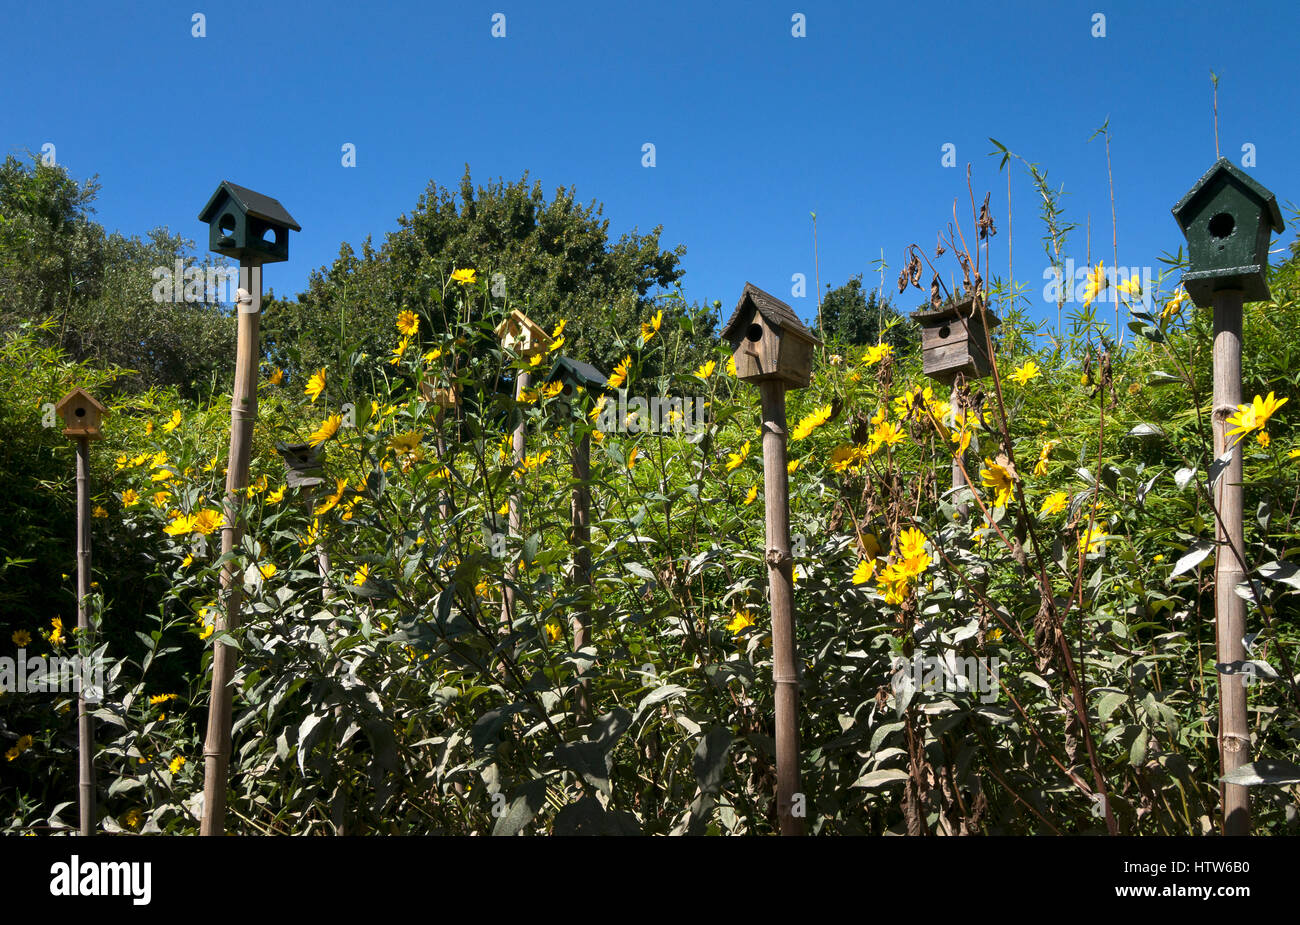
(780,582)
(1229,608)
(243,413)
(958,470)
(522,381)
(85,729)
(582,555)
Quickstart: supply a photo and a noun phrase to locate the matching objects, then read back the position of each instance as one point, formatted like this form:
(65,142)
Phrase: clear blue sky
(753,128)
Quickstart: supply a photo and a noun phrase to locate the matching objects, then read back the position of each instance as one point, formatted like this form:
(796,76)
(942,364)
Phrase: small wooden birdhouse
(769,341)
(446,397)
(575,375)
(82,414)
(247,226)
(1226,218)
(523,335)
(954,341)
(302,464)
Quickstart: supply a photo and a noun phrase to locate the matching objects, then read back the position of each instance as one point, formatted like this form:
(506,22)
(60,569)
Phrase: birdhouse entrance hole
(227,224)
(945,331)
(80,412)
(755,332)
(1222,225)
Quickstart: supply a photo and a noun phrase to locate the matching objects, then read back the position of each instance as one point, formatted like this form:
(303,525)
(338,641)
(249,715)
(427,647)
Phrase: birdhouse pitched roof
(1186,207)
(524,322)
(773,310)
(951,310)
(84,395)
(576,372)
(252,203)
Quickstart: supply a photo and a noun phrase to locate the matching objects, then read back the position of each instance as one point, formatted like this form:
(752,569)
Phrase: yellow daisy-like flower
(1254,416)
(21,638)
(176,764)
(706,369)
(1026,372)
(405,443)
(877,353)
(465,277)
(1262,438)
(315,385)
(1040,468)
(887,433)
(650,329)
(1054,503)
(735,460)
(753,493)
(1091,539)
(811,422)
(1095,283)
(340,486)
(999,479)
(792,466)
(267,569)
(631,458)
(554,631)
(399,351)
(740,621)
(187,561)
(99,511)
(731,365)
(148,427)
(129,497)
(56,637)
(328,428)
(161,498)
(911,543)
(205,521)
(361,576)
(619,376)
(174,423)
(179,526)
(1175,305)
(865,571)
(276,496)
(276,377)
(408,323)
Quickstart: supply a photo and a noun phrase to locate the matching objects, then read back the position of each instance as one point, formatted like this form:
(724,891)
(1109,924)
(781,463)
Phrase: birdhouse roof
(773,310)
(252,203)
(1224,171)
(567,369)
(523,321)
(959,308)
(84,396)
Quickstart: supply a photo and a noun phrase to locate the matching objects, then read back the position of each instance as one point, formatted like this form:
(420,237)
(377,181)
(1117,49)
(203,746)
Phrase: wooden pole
(958,474)
(522,381)
(85,729)
(780,583)
(243,413)
(1229,608)
(582,555)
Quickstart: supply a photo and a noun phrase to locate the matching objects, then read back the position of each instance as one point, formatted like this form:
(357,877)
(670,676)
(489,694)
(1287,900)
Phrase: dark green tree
(855,316)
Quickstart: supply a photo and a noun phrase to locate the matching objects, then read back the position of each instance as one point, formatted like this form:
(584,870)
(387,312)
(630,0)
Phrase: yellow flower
(994,635)
(1040,468)
(1096,282)
(276,496)
(886,433)
(877,353)
(1254,416)
(911,543)
(432,355)
(328,428)
(208,628)
(631,459)
(1092,539)
(792,466)
(865,571)
(1262,438)
(399,351)
(535,360)
(619,376)
(177,763)
(740,621)
(1054,503)
(405,443)
(1131,286)
(316,385)
(174,423)
(148,427)
(267,569)
(706,369)
(205,521)
(999,479)
(179,526)
(129,497)
(753,493)
(1174,305)
(276,377)
(361,576)
(187,561)
(559,328)
(810,423)
(735,460)
(552,389)
(340,486)
(157,699)
(554,632)
(649,330)
(962,439)
(408,323)
(122,461)
(131,819)
(21,638)
(160,498)
(731,365)
(56,636)
(464,277)
(1026,372)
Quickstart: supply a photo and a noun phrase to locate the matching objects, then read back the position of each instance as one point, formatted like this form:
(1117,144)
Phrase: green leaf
(1270,771)
(1192,558)
(529,798)
(711,757)
(882,778)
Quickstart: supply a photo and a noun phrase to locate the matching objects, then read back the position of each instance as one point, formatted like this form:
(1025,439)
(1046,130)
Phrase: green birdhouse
(247,226)
(1227,218)
(576,374)
(768,340)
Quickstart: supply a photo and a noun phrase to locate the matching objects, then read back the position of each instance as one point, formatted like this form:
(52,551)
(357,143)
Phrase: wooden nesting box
(575,375)
(302,464)
(248,226)
(522,335)
(442,397)
(82,414)
(1226,218)
(953,340)
(769,341)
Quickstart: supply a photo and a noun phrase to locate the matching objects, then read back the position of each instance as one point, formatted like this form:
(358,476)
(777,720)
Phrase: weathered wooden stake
(780,583)
(582,555)
(523,379)
(243,414)
(85,728)
(1229,607)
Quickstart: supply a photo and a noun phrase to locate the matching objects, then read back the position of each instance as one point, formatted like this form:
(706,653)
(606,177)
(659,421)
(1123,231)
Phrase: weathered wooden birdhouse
(1226,218)
(302,464)
(576,375)
(443,397)
(82,414)
(954,341)
(247,226)
(523,335)
(769,341)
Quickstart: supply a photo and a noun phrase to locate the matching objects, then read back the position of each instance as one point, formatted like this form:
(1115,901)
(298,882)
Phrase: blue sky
(753,128)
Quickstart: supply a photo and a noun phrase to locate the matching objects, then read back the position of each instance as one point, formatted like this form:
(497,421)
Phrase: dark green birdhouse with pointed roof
(248,226)
(1227,218)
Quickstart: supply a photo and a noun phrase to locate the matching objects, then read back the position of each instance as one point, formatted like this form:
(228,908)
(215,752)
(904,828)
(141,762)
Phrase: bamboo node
(778,558)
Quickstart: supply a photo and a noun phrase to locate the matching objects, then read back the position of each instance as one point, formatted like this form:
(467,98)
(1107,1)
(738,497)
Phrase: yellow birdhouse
(82,414)
(769,340)
(523,335)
